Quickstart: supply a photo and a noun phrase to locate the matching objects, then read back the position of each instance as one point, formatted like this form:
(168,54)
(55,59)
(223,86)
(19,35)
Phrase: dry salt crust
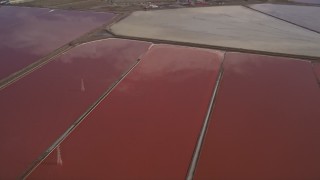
(225,26)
